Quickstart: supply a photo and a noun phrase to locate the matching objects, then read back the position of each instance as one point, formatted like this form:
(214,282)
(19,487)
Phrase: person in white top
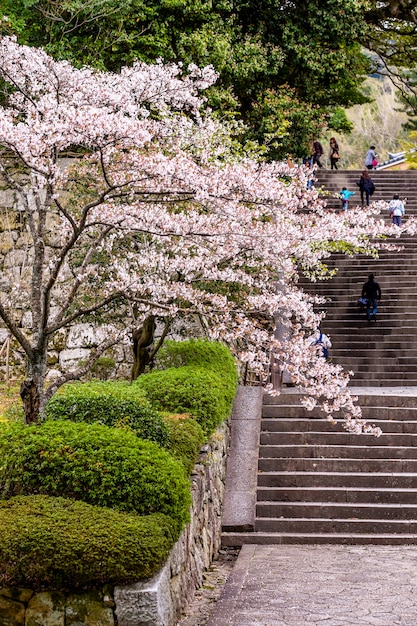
(320,339)
(396,210)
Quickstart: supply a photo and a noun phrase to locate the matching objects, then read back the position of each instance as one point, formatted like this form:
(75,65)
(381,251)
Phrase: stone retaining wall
(158,601)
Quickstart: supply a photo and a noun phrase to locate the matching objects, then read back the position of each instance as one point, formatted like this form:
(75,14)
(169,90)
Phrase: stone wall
(158,601)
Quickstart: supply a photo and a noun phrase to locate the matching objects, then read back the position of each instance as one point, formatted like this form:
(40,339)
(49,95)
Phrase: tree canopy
(158,211)
(284,65)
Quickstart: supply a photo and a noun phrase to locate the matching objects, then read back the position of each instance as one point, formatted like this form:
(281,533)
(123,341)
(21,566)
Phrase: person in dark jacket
(317,152)
(334,154)
(366,186)
(371,291)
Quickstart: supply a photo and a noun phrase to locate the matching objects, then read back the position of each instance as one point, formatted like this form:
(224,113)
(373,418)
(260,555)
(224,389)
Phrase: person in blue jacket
(345,195)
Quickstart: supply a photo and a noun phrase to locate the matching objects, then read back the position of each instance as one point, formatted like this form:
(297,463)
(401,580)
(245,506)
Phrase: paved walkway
(322,585)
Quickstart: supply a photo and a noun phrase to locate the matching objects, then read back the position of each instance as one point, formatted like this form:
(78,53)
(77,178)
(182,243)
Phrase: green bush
(57,543)
(201,380)
(196,390)
(110,403)
(98,464)
(185,439)
(200,352)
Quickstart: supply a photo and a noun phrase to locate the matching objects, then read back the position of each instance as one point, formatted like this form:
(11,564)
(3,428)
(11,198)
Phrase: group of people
(366,184)
(317,151)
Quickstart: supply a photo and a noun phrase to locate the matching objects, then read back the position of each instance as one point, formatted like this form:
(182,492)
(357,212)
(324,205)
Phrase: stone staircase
(387,183)
(319,484)
(385,353)
(316,483)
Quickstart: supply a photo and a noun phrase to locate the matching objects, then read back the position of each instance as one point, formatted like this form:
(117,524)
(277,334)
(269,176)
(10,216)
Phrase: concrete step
(335,510)
(341,480)
(336,494)
(350,538)
(285,450)
(329,526)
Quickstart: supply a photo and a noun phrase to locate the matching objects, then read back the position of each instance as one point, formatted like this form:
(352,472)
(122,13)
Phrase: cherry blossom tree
(132,197)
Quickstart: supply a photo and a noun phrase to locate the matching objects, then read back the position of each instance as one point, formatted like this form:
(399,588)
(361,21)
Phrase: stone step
(274,464)
(341,480)
(283,451)
(336,494)
(274,413)
(344,439)
(350,538)
(335,510)
(402,399)
(286,425)
(379,371)
(312,525)
(382,382)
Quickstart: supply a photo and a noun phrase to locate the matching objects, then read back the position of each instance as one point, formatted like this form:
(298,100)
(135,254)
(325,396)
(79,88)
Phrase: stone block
(17,593)
(16,258)
(68,359)
(146,603)
(87,336)
(46,609)
(27,319)
(12,613)
(87,609)
(6,242)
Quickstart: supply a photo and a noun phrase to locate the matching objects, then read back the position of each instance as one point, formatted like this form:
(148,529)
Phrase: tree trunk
(143,338)
(29,392)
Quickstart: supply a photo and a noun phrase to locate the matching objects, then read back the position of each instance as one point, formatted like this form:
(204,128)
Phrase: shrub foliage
(58,543)
(185,439)
(110,403)
(203,383)
(97,464)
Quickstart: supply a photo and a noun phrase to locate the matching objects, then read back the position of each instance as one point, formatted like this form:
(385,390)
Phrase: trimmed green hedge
(204,387)
(98,464)
(111,403)
(199,352)
(185,439)
(57,543)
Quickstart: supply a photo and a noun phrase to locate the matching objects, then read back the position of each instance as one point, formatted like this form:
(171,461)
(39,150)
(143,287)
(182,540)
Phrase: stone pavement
(320,585)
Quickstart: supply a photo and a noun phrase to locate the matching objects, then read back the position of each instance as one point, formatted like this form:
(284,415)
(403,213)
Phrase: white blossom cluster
(129,196)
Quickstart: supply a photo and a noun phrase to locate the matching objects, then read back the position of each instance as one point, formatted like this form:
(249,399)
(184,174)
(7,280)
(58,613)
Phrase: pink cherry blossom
(132,193)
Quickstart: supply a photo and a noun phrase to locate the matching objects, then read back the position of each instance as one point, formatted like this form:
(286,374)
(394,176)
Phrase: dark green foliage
(203,383)
(111,403)
(185,439)
(312,49)
(202,353)
(98,464)
(57,543)
(199,391)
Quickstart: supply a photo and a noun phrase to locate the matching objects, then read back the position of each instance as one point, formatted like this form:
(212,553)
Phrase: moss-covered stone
(89,610)
(46,609)
(11,613)
(17,593)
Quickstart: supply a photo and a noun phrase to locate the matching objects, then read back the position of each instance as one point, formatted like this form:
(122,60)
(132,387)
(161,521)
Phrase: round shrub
(185,439)
(199,352)
(57,543)
(98,464)
(111,403)
(196,390)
